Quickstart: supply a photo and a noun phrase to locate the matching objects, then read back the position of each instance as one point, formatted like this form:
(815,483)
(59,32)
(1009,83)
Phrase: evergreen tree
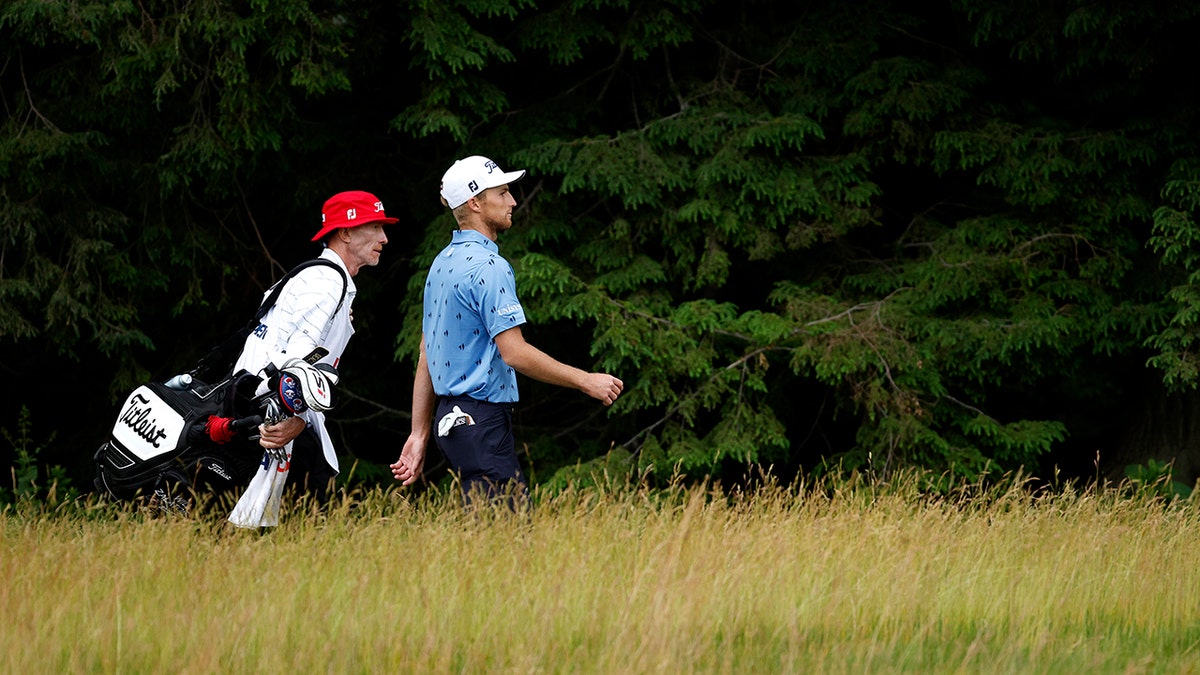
(869,234)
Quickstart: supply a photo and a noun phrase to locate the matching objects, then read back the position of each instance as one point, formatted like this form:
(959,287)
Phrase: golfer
(472,347)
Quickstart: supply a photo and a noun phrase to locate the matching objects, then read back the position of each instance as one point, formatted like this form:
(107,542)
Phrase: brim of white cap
(493,180)
(503,179)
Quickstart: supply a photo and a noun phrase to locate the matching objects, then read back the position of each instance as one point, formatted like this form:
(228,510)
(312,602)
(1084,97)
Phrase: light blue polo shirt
(470,298)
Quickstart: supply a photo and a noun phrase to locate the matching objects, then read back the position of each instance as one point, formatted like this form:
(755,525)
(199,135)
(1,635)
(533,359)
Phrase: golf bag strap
(217,353)
(270,300)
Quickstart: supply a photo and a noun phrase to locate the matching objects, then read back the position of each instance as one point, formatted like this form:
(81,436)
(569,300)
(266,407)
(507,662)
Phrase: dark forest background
(952,236)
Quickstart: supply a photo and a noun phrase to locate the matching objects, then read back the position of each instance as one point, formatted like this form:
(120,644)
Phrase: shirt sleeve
(307,304)
(495,295)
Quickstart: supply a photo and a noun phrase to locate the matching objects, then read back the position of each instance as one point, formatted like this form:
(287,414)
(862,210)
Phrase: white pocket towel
(259,504)
(454,418)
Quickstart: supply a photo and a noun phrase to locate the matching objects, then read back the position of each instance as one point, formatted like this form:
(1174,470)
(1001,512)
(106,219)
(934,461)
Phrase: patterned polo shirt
(470,298)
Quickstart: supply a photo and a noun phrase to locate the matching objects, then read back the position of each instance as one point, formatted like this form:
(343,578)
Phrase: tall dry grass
(857,580)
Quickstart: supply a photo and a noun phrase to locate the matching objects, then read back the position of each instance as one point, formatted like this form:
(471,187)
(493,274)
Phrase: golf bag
(177,439)
(162,444)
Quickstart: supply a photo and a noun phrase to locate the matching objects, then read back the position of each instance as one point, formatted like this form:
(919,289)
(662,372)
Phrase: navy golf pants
(483,454)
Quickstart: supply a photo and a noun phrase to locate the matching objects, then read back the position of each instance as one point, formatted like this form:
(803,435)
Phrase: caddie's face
(365,245)
(496,205)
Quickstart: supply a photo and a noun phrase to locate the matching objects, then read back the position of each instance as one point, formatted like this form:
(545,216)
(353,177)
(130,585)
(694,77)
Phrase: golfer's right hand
(407,469)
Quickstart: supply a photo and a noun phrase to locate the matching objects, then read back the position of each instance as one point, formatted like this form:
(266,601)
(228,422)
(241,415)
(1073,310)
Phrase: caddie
(314,310)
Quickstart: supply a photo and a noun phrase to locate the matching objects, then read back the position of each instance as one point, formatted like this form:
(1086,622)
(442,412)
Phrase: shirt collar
(473,237)
(329,254)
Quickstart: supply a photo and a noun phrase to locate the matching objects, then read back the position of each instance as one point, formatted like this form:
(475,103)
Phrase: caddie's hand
(602,387)
(278,435)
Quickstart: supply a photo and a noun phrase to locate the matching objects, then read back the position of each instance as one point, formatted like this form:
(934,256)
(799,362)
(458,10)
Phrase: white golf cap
(470,176)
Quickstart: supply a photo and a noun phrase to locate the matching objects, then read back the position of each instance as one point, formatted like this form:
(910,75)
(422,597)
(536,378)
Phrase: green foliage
(450,53)
(913,332)
(31,481)
(1177,239)
(130,127)
(1154,479)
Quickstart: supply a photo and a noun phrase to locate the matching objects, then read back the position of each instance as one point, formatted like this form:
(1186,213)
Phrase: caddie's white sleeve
(303,311)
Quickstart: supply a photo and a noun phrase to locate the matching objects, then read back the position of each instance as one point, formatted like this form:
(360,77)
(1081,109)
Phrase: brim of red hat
(330,228)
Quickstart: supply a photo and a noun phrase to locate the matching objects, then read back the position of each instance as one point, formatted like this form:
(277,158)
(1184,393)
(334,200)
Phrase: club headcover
(303,386)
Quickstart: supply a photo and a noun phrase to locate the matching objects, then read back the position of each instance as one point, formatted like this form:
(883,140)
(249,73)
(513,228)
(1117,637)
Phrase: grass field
(856,580)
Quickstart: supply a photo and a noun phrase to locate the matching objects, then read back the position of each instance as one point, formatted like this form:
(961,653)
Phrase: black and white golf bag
(162,445)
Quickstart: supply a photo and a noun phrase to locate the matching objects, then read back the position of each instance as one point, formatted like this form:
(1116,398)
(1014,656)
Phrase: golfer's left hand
(603,387)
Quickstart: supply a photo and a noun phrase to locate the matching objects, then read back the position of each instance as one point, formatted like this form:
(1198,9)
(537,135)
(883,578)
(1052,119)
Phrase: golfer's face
(496,207)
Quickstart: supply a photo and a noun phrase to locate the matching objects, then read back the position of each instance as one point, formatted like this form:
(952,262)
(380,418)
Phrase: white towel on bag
(259,504)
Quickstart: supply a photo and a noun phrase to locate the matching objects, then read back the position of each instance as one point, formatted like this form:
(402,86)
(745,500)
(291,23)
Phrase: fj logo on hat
(473,186)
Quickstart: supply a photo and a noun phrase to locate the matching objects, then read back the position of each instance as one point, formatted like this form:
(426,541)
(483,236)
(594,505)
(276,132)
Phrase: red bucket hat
(350,209)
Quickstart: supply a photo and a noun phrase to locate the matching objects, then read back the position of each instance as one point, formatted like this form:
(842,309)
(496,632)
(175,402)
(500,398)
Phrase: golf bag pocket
(152,435)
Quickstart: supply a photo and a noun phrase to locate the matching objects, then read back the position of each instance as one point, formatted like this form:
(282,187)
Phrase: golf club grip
(246,422)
